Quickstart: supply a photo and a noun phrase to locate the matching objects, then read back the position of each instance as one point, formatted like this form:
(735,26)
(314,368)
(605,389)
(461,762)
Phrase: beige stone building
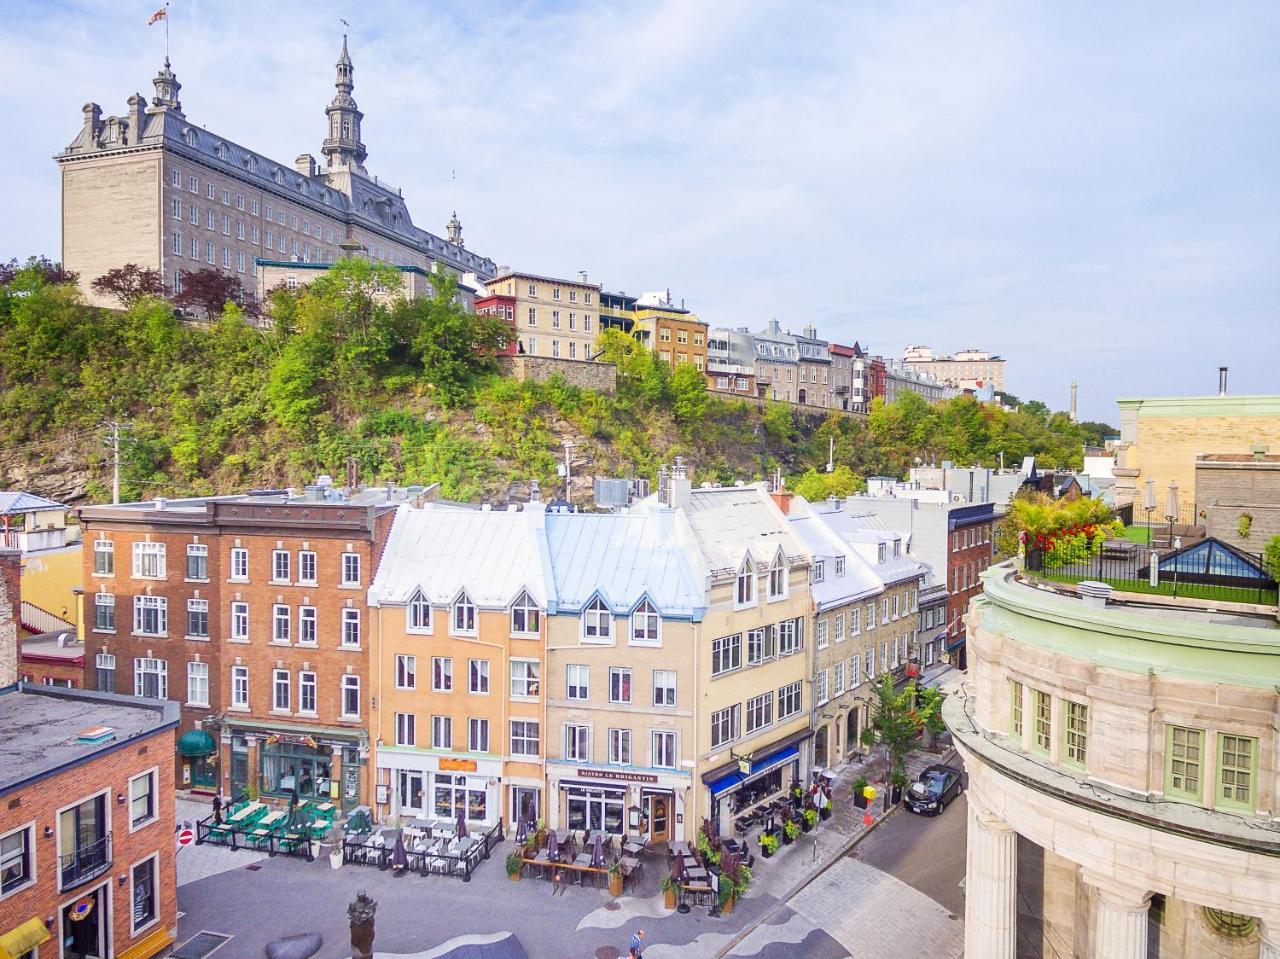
(556,318)
(1160,439)
(966,369)
(1123,779)
(156,189)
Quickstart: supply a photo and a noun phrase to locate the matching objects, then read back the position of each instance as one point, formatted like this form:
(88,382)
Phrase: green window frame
(1042,721)
(1015,708)
(1237,786)
(1184,763)
(1075,733)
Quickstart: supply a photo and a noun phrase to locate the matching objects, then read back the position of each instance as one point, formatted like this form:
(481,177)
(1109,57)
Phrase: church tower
(342,147)
(453,230)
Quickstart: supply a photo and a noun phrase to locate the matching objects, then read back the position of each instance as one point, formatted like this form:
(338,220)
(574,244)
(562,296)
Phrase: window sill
(410,631)
(349,719)
(525,699)
(138,635)
(241,581)
(306,715)
(279,642)
(238,642)
(238,709)
(350,586)
(188,579)
(196,639)
(304,582)
(279,582)
(526,635)
(104,632)
(350,648)
(17,889)
(97,576)
(279,712)
(190,705)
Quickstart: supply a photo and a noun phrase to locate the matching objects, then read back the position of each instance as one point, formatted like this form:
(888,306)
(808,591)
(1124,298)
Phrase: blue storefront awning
(955,643)
(758,766)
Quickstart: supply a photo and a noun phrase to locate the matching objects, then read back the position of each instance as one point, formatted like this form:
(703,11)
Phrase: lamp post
(1171,508)
(1149,503)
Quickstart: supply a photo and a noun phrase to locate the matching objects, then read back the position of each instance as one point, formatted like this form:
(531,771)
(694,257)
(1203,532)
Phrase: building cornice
(1258,405)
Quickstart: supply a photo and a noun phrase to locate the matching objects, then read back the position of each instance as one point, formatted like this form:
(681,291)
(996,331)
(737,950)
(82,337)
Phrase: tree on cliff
(129,283)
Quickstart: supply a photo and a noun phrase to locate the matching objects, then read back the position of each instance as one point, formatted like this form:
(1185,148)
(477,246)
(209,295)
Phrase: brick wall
(1227,490)
(10,607)
(38,804)
(601,377)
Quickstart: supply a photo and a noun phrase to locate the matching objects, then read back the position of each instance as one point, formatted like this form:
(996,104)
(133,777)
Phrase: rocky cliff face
(61,471)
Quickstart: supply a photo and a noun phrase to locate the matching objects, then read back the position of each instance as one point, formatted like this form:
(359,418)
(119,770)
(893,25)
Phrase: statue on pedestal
(360,913)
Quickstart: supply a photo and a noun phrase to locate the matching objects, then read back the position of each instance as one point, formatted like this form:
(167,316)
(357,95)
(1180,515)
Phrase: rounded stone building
(1123,775)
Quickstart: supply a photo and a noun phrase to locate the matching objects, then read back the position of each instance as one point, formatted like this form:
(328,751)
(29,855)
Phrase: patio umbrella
(399,857)
(1149,494)
(553,846)
(597,853)
(677,869)
(1171,504)
(461,826)
(522,832)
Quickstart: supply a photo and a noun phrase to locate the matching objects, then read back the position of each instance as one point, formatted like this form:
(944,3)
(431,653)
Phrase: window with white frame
(105,663)
(790,639)
(790,699)
(419,614)
(619,684)
(197,561)
(884,611)
(463,618)
(17,860)
(577,683)
(778,577)
(281,617)
(839,628)
(406,729)
(307,692)
(884,656)
(759,712)
(197,684)
(855,621)
(280,694)
(724,725)
(478,676)
(839,565)
(819,571)
(896,602)
(871,662)
(855,670)
(239,564)
(442,674)
(577,742)
(307,635)
(104,557)
(477,735)
(663,745)
(745,585)
(837,675)
(822,630)
(350,569)
(142,800)
(761,645)
(619,747)
(350,696)
(406,671)
(104,612)
(307,567)
(870,618)
(280,566)
(148,560)
(441,732)
(524,678)
(525,616)
(150,615)
(821,687)
(726,654)
(596,621)
(151,678)
(664,687)
(143,895)
(351,626)
(646,626)
(524,737)
(240,687)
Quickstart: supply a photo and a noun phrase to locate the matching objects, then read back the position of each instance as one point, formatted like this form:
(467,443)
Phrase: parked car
(936,787)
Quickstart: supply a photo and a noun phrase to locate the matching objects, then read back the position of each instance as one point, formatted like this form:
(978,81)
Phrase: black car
(936,787)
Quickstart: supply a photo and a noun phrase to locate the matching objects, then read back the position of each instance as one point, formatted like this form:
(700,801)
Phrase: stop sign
(186,837)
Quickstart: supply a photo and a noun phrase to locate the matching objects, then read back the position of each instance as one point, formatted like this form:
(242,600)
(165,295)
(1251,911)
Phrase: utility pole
(115,461)
(568,471)
(831,453)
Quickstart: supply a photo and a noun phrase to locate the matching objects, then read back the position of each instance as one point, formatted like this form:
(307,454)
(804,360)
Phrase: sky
(1088,189)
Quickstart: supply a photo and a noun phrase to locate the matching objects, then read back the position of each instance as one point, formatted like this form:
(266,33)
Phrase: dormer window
(596,621)
(745,593)
(220,151)
(897,547)
(778,578)
(463,615)
(883,553)
(525,616)
(278,175)
(839,565)
(419,614)
(819,571)
(646,626)
(252,164)
(190,136)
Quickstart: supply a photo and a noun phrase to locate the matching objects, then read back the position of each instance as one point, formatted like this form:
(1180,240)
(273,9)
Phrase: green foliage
(894,721)
(1244,525)
(841,482)
(769,842)
(929,708)
(779,422)
(1065,531)
(1271,557)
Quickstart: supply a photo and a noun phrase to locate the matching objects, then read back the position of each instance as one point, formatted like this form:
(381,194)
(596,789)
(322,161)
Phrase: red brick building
(52,659)
(86,824)
(503,307)
(969,552)
(249,611)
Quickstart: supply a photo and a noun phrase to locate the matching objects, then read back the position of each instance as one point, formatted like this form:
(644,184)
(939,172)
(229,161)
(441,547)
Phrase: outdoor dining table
(325,807)
(679,849)
(246,812)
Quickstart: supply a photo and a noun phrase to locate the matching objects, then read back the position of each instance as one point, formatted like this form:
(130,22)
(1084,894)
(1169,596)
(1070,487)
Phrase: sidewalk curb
(817,871)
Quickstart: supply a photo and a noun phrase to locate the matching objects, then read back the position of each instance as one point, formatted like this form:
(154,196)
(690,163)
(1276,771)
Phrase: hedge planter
(615,883)
(669,897)
(826,812)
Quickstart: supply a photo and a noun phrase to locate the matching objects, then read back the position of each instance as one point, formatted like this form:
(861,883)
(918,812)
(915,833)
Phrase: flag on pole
(161,14)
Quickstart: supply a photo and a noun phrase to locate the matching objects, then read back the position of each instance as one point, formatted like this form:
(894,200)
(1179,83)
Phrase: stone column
(1270,939)
(991,886)
(1121,920)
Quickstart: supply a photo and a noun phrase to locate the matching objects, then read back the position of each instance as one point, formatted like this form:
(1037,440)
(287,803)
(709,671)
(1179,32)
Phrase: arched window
(252,164)
(419,614)
(778,577)
(190,136)
(346,129)
(746,586)
(646,625)
(464,614)
(596,620)
(525,616)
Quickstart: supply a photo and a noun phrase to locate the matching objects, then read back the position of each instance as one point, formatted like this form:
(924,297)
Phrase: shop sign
(457,765)
(617,776)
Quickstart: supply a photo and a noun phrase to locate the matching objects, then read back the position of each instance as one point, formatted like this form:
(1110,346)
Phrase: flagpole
(166,32)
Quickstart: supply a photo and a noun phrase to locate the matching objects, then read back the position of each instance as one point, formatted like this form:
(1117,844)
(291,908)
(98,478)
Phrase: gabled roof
(443,550)
(865,534)
(15,502)
(623,558)
(858,581)
(729,521)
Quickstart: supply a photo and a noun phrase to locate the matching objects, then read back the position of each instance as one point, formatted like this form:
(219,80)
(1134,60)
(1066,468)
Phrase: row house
(459,608)
(553,317)
(814,387)
(249,611)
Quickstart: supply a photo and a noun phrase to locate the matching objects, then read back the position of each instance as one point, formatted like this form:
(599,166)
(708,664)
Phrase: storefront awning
(196,742)
(18,942)
(758,767)
(955,642)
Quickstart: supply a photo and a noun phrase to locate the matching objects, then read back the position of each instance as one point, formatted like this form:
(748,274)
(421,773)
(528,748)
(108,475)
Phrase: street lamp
(1149,503)
(1171,508)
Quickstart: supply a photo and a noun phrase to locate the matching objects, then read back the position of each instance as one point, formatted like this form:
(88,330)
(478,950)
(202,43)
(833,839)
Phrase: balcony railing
(87,862)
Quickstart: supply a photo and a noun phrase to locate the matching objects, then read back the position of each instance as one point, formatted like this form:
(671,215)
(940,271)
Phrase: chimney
(680,490)
(1222,381)
(305,164)
(160,502)
(783,498)
(92,122)
(137,119)
(582,276)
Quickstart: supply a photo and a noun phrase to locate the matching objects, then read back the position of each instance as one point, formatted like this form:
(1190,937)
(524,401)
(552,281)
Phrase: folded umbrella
(461,826)
(553,846)
(399,857)
(522,832)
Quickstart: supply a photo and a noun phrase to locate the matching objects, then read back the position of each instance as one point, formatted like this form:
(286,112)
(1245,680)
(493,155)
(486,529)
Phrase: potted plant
(810,819)
(668,892)
(727,893)
(825,811)
(514,865)
(897,782)
(768,844)
(615,879)
(790,830)
(859,795)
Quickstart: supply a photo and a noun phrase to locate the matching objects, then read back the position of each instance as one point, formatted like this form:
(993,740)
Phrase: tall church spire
(343,147)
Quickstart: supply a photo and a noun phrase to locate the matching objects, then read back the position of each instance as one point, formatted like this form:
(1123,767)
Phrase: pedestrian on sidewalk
(217,807)
(637,944)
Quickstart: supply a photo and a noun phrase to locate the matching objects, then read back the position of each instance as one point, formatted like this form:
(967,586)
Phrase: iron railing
(434,861)
(85,862)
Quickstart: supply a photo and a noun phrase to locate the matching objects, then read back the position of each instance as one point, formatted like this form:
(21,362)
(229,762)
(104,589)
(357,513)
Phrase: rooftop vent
(96,735)
(1222,381)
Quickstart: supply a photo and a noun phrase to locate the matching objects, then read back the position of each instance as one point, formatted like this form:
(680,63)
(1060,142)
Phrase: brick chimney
(10,610)
(783,498)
